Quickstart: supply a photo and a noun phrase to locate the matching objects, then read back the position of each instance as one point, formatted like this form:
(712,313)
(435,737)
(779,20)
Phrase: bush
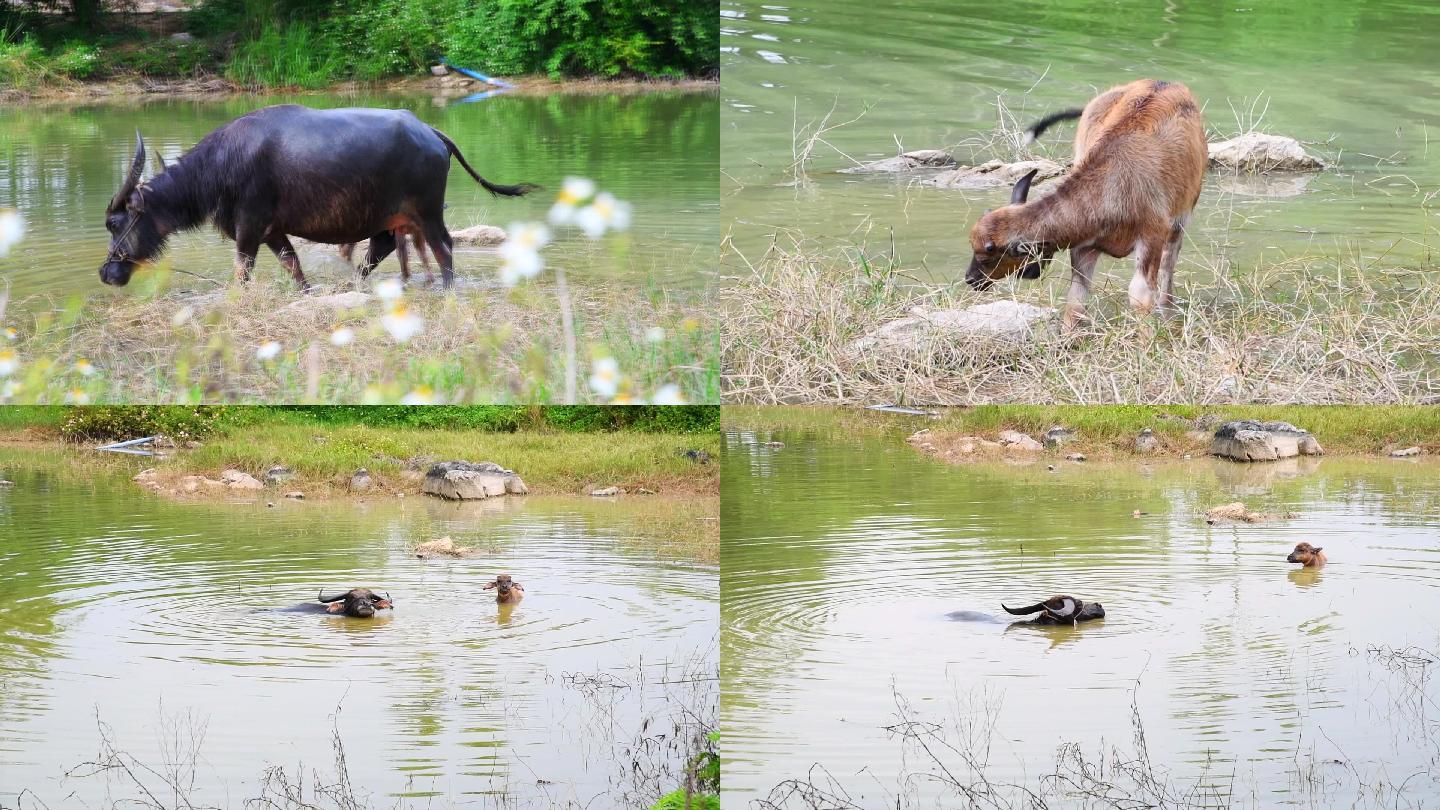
(161,58)
(121,422)
(296,55)
(77,60)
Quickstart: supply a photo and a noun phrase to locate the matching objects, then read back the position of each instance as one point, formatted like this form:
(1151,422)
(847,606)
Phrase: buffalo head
(506,589)
(358,602)
(999,252)
(1060,608)
(136,235)
(1307,555)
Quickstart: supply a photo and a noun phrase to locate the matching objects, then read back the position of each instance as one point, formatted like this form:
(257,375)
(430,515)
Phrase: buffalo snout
(116,274)
(976,276)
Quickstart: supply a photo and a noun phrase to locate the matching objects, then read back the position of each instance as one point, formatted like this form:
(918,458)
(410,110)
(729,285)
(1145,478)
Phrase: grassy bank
(478,345)
(1289,332)
(1110,431)
(557,451)
(310,44)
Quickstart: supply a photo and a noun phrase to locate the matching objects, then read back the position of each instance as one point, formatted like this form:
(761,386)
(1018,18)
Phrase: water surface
(61,163)
(1356,79)
(843,557)
(159,619)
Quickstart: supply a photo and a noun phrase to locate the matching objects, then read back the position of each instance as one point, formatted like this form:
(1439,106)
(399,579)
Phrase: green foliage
(388,37)
(161,58)
(120,422)
(705,767)
(296,55)
(586,37)
(22,61)
(675,800)
(77,60)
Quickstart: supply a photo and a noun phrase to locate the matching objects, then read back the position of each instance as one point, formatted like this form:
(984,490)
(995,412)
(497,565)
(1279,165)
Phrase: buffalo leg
(246,246)
(440,244)
(381,245)
(1144,284)
(285,252)
(1168,257)
(347,252)
(1082,270)
(402,252)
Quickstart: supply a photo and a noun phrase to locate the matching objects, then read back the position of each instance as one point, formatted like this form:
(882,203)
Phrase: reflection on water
(134,610)
(843,558)
(62,163)
(1353,79)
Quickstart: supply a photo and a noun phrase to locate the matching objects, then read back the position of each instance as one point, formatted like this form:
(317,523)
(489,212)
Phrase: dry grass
(481,344)
(1303,330)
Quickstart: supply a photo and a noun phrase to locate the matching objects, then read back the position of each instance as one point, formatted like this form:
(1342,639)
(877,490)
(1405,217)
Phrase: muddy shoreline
(454,86)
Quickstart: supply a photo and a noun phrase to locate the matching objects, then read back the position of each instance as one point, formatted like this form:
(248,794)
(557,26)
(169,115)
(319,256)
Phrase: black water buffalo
(332,176)
(358,602)
(1060,610)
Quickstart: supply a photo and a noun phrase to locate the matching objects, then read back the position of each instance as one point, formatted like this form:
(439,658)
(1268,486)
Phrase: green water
(1358,78)
(158,619)
(61,163)
(1260,682)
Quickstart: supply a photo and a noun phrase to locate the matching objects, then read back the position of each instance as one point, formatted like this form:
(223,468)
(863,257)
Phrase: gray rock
(278,473)
(606,492)
(1405,452)
(995,173)
(361,481)
(235,479)
(1246,440)
(1075,457)
(1257,152)
(182,38)
(295,496)
(479,235)
(908,162)
(464,481)
(996,326)
(1057,437)
(1015,440)
(1146,442)
(439,70)
(345,300)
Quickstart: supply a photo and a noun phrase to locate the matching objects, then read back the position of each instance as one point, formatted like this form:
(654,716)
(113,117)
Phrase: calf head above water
(1307,555)
(360,603)
(507,591)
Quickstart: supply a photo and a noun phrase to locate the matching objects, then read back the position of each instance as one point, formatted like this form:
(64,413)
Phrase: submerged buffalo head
(999,251)
(358,602)
(507,590)
(1059,608)
(136,235)
(1307,555)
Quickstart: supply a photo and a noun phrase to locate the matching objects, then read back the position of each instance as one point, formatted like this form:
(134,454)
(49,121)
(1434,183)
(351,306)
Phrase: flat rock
(361,481)
(439,70)
(606,492)
(1258,152)
(1247,440)
(1146,442)
(1015,440)
(479,235)
(1237,512)
(1057,437)
(345,300)
(994,173)
(1075,457)
(442,547)
(295,496)
(236,479)
(908,162)
(997,325)
(1405,452)
(278,473)
(464,481)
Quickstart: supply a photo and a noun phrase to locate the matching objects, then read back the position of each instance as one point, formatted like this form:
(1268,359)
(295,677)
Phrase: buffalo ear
(490,585)
(335,607)
(384,603)
(1317,550)
(1022,188)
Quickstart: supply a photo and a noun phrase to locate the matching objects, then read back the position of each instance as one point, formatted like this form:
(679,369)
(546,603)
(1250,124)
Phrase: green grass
(1359,429)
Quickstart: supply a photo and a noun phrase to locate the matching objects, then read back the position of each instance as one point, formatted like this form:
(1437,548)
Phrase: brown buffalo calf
(1307,555)
(508,592)
(1140,159)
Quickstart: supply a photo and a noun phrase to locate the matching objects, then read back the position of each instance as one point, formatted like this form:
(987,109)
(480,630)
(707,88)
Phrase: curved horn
(1035,608)
(323,598)
(1022,188)
(133,178)
(159,158)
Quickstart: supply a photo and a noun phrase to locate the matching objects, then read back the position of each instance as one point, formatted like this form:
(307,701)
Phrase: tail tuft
(1038,129)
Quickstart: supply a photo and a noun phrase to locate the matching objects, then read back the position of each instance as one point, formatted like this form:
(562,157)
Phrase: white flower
(85,367)
(655,334)
(402,324)
(77,397)
(668,395)
(605,213)
(8,362)
(182,315)
(424,395)
(575,191)
(605,377)
(521,252)
(389,290)
(342,336)
(12,229)
(268,350)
